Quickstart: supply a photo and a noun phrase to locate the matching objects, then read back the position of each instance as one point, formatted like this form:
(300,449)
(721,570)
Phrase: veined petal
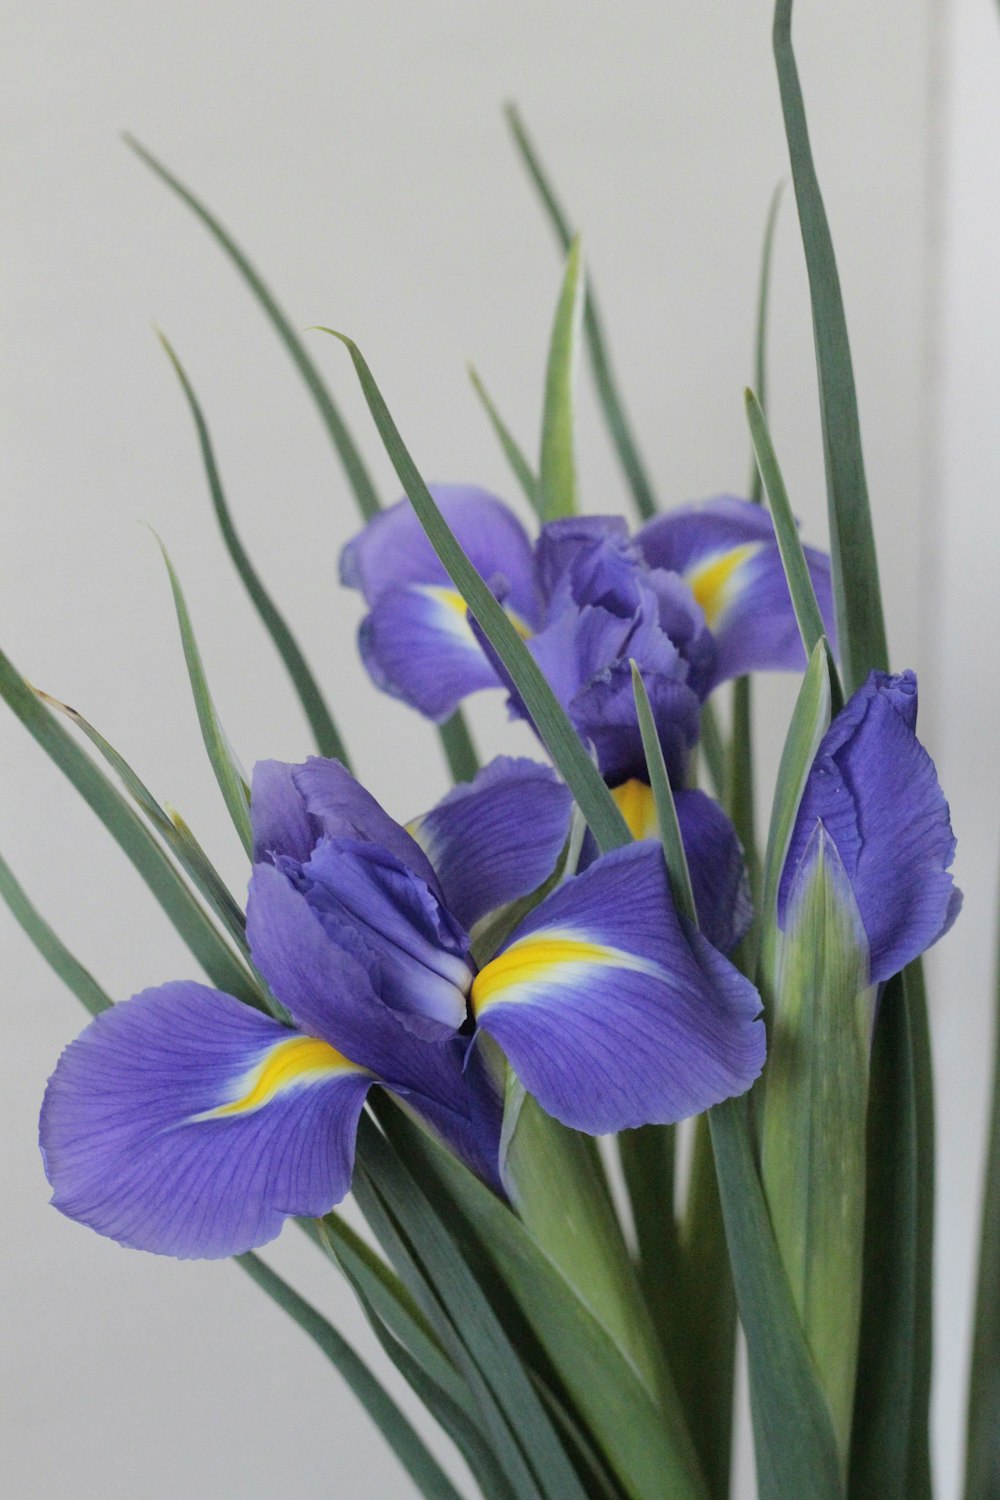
(279,820)
(715,861)
(588,560)
(875,790)
(418,645)
(726,552)
(393,549)
(611,1011)
(604,715)
(343,809)
(185,1123)
(497,837)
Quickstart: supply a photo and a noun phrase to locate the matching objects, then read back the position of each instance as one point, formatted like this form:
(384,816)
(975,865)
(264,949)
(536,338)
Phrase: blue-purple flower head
(184,1122)
(872,800)
(697,597)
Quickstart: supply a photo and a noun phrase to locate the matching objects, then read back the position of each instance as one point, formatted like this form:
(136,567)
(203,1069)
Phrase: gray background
(359,153)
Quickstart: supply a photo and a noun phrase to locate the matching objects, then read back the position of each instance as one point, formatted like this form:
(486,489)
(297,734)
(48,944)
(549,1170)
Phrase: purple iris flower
(183,1122)
(873,794)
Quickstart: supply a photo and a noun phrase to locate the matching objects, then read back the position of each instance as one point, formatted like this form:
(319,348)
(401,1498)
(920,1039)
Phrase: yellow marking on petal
(634,800)
(714,581)
(453,600)
(300,1060)
(546,958)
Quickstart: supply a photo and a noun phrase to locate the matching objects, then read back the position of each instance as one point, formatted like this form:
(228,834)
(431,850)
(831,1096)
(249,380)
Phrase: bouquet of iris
(488,1022)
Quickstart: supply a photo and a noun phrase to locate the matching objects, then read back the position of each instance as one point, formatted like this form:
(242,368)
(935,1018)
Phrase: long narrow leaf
(557,483)
(982,1463)
(235,792)
(760,333)
(647,1447)
(69,969)
(399,1433)
(558,735)
(795,1447)
(168,824)
(518,463)
(325,732)
(663,799)
(459,750)
(607,389)
(183,910)
(354,468)
(855,567)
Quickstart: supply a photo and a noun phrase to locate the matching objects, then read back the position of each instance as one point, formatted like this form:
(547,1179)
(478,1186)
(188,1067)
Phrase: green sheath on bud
(813,1149)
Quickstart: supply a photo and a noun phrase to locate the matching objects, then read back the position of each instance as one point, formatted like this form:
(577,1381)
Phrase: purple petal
(497,837)
(604,715)
(183,1122)
(718,873)
(343,809)
(278,815)
(614,1014)
(393,549)
(726,552)
(588,560)
(875,790)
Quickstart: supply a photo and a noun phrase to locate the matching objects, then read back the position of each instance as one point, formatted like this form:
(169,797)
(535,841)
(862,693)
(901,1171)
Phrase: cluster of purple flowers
(184,1122)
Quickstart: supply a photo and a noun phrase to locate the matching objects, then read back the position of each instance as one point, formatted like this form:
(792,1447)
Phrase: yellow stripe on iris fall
(300,1060)
(453,601)
(546,958)
(714,582)
(634,800)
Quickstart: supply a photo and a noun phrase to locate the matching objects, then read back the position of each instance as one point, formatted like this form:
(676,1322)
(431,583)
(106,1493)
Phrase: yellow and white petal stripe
(549,958)
(452,601)
(715,580)
(296,1063)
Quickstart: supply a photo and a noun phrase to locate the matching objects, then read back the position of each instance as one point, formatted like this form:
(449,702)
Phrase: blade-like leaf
(69,969)
(555,730)
(188,917)
(982,1463)
(169,825)
(713,750)
(518,463)
(607,390)
(232,784)
(354,468)
(325,732)
(408,1446)
(459,751)
(557,485)
(647,1447)
(793,558)
(760,335)
(533,1453)
(663,798)
(794,1442)
(855,567)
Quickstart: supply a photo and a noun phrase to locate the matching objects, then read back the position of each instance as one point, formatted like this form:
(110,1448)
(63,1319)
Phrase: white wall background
(359,153)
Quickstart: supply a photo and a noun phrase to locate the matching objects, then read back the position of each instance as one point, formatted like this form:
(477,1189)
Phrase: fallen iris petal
(612,1012)
(725,550)
(497,837)
(875,790)
(185,1123)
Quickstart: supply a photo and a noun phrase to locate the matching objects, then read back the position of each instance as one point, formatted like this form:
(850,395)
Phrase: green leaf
(325,732)
(554,729)
(559,1191)
(350,458)
(794,1442)
(647,1446)
(713,749)
(519,464)
(522,1432)
(648,1160)
(460,752)
(813,1138)
(185,913)
(607,390)
(409,1448)
(860,625)
(169,825)
(793,558)
(810,721)
(72,973)
(228,774)
(557,484)
(663,797)
(982,1439)
(883,1438)
(760,338)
